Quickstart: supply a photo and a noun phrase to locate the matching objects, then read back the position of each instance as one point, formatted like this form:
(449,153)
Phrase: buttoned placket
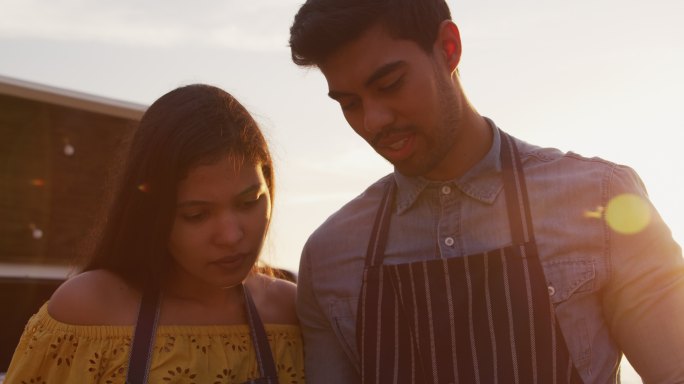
(449,224)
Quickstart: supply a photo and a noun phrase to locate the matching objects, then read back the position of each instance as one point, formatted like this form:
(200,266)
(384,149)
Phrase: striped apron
(146,326)
(483,318)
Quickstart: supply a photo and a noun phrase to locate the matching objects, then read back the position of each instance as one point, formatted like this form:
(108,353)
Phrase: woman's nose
(229,230)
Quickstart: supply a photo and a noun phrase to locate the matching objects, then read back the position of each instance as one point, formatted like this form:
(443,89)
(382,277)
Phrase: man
(481,258)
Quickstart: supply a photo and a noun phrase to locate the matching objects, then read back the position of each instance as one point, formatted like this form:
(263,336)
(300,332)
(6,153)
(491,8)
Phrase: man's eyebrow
(384,70)
(379,73)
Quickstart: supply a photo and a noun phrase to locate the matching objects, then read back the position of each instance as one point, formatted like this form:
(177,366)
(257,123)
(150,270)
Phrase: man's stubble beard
(442,139)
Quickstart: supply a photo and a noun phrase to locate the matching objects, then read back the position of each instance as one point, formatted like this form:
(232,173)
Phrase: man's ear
(448,44)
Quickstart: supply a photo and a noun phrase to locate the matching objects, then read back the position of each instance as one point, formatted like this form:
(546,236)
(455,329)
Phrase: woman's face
(222,214)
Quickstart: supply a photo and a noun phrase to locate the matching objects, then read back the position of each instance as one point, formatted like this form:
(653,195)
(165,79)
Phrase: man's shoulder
(535,156)
(547,164)
(355,215)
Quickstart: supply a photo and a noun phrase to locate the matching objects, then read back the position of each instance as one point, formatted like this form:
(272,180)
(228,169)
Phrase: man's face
(399,98)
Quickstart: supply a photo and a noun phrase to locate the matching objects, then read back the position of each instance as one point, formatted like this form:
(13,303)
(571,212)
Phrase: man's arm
(325,360)
(644,299)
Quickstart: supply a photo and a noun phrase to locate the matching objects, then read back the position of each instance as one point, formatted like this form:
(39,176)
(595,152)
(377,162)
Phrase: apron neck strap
(376,246)
(264,356)
(146,327)
(143,338)
(517,201)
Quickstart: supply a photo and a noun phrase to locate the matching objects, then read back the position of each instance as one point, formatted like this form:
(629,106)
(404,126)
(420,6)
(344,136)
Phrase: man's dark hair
(323,26)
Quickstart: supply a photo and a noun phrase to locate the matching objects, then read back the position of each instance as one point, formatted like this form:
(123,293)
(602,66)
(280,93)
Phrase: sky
(597,77)
(601,78)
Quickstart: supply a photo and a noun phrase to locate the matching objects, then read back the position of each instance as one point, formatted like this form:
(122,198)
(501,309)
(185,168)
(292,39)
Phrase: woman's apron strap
(145,330)
(143,338)
(262,348)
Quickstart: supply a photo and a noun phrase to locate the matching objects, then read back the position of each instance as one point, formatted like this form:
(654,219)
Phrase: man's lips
(392,139)
(395,146)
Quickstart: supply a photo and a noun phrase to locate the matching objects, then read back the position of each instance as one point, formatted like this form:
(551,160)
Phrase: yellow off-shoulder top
(53,352)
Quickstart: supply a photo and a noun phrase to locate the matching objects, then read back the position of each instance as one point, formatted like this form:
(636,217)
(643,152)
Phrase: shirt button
(446,189)
(552,290)
(449,241)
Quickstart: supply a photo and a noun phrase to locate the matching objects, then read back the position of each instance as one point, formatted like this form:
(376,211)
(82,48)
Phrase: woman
(171,293)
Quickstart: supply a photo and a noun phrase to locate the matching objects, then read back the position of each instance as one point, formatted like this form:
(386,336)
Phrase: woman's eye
(194,217)
(247,204)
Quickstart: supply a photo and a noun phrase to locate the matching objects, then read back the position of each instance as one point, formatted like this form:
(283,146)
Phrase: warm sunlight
(599,78)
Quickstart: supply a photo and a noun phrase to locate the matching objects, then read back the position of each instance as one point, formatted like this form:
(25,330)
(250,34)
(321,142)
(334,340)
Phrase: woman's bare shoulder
(97,297)
(274,298)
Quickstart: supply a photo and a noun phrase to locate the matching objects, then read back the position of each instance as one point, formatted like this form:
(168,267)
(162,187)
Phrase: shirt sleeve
(324,358)
(644,299)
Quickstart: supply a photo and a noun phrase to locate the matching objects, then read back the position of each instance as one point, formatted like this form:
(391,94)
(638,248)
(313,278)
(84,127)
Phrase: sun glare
(628,214)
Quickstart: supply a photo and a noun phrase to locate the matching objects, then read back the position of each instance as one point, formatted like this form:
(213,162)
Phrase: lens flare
(628,214)
(38,182)
(595,214)
(36,232)
(144,187)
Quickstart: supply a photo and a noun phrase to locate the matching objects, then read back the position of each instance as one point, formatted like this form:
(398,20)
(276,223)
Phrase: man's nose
(377,116)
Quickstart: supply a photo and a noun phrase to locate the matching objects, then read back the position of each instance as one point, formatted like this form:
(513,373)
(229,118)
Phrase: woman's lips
(231,259)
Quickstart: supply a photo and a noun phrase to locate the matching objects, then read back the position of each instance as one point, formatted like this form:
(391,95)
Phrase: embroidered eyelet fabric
(53,352)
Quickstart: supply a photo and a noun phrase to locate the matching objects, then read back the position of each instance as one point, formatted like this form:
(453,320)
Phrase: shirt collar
(482,182)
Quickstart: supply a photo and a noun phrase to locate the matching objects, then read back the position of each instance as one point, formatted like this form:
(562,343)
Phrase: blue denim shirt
(614,292)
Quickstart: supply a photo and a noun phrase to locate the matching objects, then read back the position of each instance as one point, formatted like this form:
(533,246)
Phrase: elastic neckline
(44,320)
